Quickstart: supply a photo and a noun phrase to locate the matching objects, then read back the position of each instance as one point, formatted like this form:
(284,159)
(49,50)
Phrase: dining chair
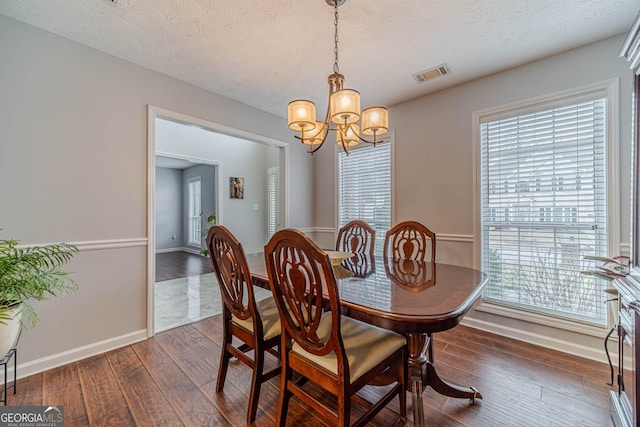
(356,236)
(255,323)
(413,241)
(338,354)
(410,240)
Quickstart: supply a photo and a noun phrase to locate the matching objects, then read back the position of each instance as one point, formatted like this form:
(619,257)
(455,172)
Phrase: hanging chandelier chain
(336,69)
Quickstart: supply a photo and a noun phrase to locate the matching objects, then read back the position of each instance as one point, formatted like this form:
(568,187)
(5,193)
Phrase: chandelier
(343,111)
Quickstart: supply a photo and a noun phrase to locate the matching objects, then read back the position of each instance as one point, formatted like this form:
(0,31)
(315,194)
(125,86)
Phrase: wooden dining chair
(356,236)
(255,323)
(338,354)
(410,240)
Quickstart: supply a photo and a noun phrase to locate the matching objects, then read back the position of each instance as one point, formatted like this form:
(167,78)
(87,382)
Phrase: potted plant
(29,274)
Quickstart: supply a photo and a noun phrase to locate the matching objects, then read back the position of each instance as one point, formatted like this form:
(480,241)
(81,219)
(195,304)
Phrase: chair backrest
(356,236)
(230,265)
(410,240)
(301,277)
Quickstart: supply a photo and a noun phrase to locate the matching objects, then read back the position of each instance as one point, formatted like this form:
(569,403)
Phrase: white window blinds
(273,183)
(543,207)
(364,188)
(195,211)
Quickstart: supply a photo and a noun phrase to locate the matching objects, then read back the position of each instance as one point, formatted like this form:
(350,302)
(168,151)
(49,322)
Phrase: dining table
(410,297)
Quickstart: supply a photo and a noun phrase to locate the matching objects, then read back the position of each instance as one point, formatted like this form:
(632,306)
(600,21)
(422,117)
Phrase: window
(273,185)
(364,189)
(195,211)
(534,256)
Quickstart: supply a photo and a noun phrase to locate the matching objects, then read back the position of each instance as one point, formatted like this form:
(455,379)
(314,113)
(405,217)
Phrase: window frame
(610,88)
(190,219)
(273,207)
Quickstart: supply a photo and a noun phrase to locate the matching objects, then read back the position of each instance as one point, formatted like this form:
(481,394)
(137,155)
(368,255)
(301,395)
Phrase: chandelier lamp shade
(343,115)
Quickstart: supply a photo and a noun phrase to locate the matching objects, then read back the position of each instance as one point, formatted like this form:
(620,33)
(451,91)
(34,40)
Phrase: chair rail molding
(95,245)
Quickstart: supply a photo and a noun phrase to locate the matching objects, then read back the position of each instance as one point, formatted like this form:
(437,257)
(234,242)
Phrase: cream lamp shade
(301,115)
(315,136)
(345,106)
(375,121)
(350,136)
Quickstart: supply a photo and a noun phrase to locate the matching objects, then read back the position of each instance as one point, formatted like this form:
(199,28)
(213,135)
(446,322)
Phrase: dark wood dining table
(413,298)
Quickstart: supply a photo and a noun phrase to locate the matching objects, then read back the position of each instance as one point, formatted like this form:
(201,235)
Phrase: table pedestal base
(422,373)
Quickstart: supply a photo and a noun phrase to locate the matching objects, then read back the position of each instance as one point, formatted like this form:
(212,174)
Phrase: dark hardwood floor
(170,380)
(172,265)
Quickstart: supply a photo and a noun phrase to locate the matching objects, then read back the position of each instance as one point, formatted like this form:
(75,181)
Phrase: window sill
(545,320)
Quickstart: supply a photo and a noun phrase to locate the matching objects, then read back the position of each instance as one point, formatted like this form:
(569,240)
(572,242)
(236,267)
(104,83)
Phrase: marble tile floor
(189,299)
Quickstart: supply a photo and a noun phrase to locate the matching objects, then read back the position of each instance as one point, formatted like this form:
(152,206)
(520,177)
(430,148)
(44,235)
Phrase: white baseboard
(190,250)
(164,251)
(596,354)
(55,360)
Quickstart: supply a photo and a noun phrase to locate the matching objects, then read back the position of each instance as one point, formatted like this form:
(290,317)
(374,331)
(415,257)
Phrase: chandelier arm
(344,147)
(326,124)
(324,138)
(374,142)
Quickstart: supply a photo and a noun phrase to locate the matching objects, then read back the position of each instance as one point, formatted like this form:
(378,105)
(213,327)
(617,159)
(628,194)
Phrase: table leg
(422,373)
(417,345)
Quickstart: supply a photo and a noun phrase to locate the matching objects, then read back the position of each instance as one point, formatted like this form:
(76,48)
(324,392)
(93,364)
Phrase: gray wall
(169,215)
(433,159)
(73,146)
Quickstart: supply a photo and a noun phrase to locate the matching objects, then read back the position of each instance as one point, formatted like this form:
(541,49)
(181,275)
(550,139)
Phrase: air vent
(431,73)
(115,3)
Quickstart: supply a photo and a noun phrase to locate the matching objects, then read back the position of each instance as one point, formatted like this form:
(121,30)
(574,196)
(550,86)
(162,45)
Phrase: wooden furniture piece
(358,237)
(625,399)
(255,323)
(410,240)
(378,300)
(337,353)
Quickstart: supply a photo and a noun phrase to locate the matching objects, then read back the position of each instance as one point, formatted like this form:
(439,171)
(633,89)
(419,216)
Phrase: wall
(433,163)
(73,146)
(169,213)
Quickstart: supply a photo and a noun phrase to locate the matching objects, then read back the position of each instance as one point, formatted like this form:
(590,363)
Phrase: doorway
(236,156)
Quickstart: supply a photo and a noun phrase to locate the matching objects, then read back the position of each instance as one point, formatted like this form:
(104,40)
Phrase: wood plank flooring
(170,380)
(172,265)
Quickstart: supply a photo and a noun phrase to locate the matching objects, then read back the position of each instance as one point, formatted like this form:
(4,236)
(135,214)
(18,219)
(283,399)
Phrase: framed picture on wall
(236,188)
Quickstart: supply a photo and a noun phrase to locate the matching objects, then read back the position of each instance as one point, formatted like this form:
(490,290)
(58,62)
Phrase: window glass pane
(543,209)
(195,211)
(364,188)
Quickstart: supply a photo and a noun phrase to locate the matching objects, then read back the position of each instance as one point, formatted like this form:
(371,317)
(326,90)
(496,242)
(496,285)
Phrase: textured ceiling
(267,52)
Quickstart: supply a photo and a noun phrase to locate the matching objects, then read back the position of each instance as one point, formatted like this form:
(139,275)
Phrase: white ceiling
(267,52)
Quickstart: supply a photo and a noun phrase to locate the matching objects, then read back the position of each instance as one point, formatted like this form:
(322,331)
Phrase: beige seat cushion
(269,315)
(365,345)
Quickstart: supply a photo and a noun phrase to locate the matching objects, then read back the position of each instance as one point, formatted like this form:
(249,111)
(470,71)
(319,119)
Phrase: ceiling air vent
(440,70)
(115,3)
